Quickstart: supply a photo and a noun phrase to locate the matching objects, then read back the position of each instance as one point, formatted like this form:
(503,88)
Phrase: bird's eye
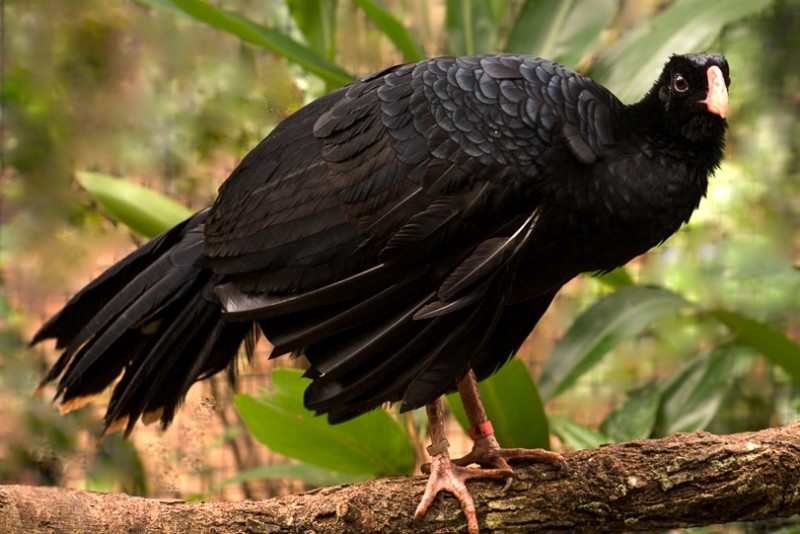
(680,84)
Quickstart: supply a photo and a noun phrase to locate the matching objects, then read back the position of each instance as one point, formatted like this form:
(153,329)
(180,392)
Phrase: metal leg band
(438,448)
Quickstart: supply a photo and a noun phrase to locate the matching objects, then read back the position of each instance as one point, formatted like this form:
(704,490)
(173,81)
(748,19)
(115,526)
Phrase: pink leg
(445,476)
(486,451)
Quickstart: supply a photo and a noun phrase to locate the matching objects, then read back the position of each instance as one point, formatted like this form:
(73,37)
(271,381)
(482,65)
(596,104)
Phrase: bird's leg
(486,451)
(445,476)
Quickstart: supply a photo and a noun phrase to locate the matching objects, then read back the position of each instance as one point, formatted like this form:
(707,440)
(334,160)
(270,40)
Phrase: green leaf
(392,28)
(254,33)
(772,343)
(619,277)
(373,444)
(117,466)
(635,418)
(470,26)
(692,396)
(498,9)
(144,211)
(513,406)
(164,5)
(316,20)
(309,474)
(564,31)
(576,436)
(629,67)
(619,316)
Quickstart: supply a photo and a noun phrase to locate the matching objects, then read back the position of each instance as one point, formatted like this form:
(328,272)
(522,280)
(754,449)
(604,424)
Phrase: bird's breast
(619,210)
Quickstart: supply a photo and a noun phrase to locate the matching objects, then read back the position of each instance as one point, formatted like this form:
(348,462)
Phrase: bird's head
(691,96)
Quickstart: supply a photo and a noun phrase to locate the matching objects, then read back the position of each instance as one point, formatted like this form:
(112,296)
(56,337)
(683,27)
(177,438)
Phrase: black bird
(405,233)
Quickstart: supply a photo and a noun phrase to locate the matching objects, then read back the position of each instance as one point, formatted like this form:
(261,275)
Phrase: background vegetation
(170,94)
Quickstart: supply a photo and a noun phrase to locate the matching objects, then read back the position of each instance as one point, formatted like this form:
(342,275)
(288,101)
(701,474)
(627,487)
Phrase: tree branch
(684,480)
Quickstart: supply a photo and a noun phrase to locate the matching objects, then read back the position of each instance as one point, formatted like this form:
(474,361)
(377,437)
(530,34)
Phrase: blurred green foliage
(373,444)
(171,93)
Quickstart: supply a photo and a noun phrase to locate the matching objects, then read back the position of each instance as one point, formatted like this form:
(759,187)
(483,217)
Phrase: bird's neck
(699,143)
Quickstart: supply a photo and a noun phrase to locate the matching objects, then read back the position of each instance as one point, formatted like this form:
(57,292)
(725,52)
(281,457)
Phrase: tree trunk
(684,480)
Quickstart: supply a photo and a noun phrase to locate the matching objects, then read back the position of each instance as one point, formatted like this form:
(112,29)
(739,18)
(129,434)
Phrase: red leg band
(480,430)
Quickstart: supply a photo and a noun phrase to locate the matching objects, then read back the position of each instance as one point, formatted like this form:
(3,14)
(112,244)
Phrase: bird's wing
(379,229)
(421,161)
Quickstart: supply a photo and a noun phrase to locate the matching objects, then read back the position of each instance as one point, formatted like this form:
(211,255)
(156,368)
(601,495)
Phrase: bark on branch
(684,480)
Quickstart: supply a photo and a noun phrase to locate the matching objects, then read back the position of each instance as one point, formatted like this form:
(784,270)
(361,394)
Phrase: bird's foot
(486,452)
(445,475)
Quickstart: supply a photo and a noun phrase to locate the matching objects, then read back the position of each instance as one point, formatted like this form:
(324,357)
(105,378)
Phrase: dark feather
(487,258)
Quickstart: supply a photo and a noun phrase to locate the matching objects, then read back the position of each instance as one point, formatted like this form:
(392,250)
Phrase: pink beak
(717,99)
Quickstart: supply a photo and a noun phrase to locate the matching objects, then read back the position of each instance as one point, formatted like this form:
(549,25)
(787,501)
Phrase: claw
(486,451)
(451,475)
(445,476)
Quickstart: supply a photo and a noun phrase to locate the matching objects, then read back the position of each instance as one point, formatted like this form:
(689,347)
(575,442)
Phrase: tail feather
(329,391)
(86,304)
(153,376)
(359,392)
(441,374)
(347,350)
(98,376)
(152,319)
(110,298)
(410,359)
(296,331)
(94,342)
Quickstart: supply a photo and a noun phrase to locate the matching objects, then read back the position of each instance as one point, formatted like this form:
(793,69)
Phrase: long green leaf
(619,316)
(144,211)
(498,10)
(373,444)
(692,396)
(254,33)
(470,27)
(575,435)
(630,66)
(317,22)
(562,30)
(165,5)
(392,28)
(772,343)
(513,406)
(635,418)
